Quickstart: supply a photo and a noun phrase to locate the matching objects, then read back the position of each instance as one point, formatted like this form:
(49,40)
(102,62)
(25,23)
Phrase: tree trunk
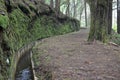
(99,23)
(74,8)
(43,1)
(1,37)
(57,6)
(110,17)
(118,16)
(80,20)
(81,11)
(51,4)
(68,8)
(85,14)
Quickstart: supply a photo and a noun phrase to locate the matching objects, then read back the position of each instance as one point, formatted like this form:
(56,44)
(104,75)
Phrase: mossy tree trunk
(118,16)
(99,20)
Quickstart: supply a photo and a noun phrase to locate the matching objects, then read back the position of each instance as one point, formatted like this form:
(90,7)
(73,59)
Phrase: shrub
(116,38)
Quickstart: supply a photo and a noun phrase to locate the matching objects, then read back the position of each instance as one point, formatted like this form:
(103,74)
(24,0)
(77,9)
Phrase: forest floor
(71,57)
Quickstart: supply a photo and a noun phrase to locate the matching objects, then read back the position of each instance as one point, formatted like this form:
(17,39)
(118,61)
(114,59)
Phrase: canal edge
(32,65)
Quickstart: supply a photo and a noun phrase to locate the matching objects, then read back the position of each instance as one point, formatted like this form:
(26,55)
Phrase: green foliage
(65,29)
(47,1)
(4,20)
(114,27)
(116,38)
(2,5)
(42,28)
(46,26)
(17,34)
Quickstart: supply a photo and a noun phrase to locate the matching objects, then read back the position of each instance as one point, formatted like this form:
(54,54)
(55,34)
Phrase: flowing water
(24,75)
(24,70)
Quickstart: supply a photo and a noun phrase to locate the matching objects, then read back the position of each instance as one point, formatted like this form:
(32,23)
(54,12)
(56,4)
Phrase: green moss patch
(4,20)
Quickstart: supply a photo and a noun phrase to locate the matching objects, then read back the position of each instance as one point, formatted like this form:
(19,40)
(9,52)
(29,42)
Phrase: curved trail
(71,57)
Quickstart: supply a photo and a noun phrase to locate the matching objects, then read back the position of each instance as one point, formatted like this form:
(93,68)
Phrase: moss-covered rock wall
(25,21)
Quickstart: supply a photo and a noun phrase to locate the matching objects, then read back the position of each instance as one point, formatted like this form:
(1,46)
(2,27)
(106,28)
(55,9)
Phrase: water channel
(24,69)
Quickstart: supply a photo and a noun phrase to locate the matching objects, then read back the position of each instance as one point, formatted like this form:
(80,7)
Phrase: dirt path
(70,57)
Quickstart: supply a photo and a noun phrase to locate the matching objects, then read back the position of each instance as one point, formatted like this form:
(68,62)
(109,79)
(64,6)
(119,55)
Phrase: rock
(2,12)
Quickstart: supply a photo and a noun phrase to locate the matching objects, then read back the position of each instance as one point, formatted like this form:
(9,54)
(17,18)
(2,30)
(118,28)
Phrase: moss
(98,30)
(16,34)
(46,26)
(65,29)
(43,27)
(4,21)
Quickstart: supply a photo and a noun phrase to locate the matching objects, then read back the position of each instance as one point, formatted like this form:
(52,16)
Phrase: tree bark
(43,1)
(51,4)
(1,35)
(57,6)
(99,20)
(110,17)
(85,14)
(118,16)
(68,8)
(74,9)
(81,11)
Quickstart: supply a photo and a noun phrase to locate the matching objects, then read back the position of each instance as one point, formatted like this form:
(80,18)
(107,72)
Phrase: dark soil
(71,57)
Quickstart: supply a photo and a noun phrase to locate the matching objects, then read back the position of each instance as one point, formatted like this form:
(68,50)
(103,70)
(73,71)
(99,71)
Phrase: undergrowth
(116,38)
(17,34)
